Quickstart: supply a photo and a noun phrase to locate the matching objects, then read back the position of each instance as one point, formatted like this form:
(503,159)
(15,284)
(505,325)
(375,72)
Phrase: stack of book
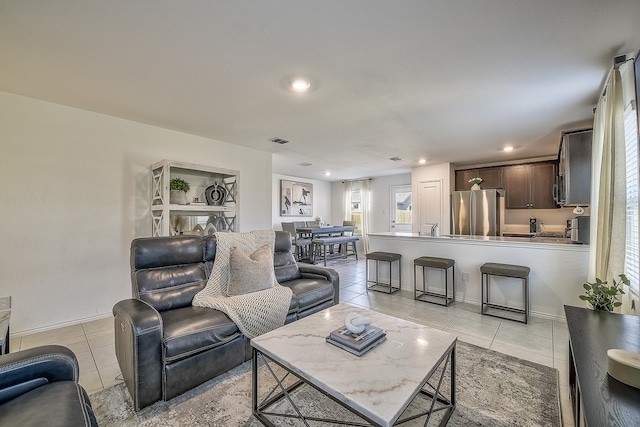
(357,344)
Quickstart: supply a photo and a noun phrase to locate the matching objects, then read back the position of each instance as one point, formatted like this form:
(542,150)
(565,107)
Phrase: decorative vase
(216,194)
(475,187)
(178,197)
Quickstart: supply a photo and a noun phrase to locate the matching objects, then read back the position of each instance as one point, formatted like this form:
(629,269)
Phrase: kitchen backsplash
(554,220)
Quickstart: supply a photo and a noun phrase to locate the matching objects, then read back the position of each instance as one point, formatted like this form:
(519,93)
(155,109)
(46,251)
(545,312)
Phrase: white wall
(75,192)
(380,200)
(443,172)
(321,201)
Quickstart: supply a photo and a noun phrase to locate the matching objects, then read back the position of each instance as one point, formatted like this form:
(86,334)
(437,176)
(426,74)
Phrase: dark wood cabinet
(530,186)
(575,169)
(491,178)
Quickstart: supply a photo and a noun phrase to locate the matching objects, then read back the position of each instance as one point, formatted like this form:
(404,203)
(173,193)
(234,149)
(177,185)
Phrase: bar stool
(378,257)
(505,270)
(424,294)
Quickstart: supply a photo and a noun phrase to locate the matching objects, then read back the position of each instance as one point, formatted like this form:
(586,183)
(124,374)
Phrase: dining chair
(348,233)
(301,245)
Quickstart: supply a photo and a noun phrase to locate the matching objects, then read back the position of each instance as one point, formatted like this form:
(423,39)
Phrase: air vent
(396,159)
(279,140)
(304,164)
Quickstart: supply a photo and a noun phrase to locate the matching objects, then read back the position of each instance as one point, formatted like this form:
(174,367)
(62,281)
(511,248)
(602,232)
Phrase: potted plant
(475,183)
(603,297)
(178,191)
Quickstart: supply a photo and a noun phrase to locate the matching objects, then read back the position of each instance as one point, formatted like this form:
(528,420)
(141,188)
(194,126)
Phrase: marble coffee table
(377,386)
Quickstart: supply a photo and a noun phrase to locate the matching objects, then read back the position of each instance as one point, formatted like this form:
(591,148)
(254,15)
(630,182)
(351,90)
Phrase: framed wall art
(296,198)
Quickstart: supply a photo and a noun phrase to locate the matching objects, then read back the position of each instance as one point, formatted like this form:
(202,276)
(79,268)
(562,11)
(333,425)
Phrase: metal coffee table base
(280,392)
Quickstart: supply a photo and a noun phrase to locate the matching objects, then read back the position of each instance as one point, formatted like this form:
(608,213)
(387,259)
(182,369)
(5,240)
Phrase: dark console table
(597,398)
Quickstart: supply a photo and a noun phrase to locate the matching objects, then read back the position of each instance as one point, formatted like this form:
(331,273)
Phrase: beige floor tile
(346,295)
(479,318)
(86,363)
(465,326)
(101,339)
(54,336)
(91,382)
(98,325)
(561,349)
(359,288)
(394,307)
(563,369)
(565,406)
(430,318)
(105,356)
(525,341)
(560,330)
(77,344)
(539,327)
(369,300)
(110,375)
(522,353)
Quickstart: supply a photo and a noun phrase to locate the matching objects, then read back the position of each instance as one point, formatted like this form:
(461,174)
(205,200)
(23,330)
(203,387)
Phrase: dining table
(314,232)
(325,230)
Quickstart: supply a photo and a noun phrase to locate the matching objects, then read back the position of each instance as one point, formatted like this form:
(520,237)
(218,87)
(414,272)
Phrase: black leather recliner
(164,345)
(39,387)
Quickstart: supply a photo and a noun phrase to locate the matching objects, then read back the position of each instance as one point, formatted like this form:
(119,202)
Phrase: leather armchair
(164,345)
(39,387)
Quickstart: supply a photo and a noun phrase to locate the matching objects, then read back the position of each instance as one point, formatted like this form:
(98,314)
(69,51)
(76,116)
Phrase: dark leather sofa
(39,387)
(164,345)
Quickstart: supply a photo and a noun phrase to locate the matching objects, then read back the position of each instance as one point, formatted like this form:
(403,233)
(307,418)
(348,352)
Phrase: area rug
(492,389)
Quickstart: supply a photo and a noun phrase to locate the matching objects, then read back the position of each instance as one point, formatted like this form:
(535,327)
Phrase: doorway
(401,208)
(430,205)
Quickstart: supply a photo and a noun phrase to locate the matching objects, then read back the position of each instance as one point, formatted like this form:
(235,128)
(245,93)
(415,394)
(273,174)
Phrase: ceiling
(444,80)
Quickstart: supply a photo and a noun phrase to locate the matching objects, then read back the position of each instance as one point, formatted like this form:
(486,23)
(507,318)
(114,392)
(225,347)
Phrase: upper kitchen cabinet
(573,186)
(530,186)
(491,178)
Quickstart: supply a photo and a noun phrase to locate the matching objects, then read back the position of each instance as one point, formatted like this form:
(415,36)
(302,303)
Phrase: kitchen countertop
(548,241)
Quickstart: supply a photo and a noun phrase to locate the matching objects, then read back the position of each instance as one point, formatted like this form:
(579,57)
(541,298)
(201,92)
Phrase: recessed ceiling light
(305,164)
(300,85)
(396,159)
(422,161)
(508,148)
(327,173)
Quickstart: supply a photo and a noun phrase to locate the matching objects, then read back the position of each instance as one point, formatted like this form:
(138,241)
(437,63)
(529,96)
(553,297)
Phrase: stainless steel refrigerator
(478,213)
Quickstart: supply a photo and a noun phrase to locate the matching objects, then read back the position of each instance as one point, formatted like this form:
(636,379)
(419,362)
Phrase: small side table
(5,315)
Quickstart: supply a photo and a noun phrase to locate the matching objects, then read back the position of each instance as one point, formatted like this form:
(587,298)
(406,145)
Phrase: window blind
(632,256)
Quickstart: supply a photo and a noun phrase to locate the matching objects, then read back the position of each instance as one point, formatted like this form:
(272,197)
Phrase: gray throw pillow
(250,273)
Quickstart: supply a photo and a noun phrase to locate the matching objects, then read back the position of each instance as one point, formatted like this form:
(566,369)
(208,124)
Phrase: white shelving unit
(224,217)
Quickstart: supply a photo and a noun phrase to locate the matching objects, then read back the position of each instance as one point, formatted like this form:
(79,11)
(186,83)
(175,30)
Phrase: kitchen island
(558,269)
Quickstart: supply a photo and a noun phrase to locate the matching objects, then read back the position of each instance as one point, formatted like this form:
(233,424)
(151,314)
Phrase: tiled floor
(542,341)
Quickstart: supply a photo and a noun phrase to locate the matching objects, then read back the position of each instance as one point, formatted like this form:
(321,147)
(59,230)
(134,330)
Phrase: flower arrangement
(603,297)
(475,181)
(318,220)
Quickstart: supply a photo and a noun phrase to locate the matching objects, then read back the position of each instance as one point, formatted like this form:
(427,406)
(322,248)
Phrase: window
(356,209)
(632,256)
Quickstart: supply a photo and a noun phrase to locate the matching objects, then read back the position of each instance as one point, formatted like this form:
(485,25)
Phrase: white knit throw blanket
(255,313)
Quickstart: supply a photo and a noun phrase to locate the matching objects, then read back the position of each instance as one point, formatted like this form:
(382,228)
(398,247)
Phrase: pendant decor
(216,194)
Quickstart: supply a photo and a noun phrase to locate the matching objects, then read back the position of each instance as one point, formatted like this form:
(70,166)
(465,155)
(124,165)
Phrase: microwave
(580,229)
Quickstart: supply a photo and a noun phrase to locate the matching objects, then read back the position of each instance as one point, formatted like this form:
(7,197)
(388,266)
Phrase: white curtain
(608,185)
(365,196)
(347,200)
